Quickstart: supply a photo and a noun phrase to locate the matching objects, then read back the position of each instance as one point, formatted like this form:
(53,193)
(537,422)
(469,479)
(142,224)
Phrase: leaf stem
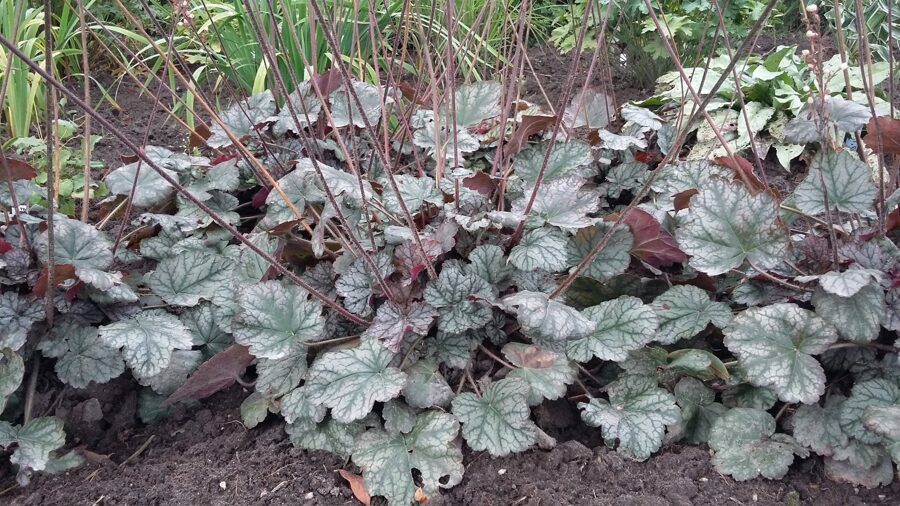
(495,357)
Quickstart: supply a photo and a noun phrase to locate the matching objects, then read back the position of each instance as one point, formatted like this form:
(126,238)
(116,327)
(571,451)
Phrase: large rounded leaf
(622,325)
(274,318)
(775,345)
(728,225)
(848,184)
(390,462)
(746,445)
(499,420)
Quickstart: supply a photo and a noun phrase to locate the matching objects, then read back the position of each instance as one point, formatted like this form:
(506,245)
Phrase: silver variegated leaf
(350,382)
(776,344)
(452,295)
(148,340)
(82,357)
(356,284)
(566,158)
(241,119)
(858,317)
(273,318)
(498,420)
(728,225)
(392,323)
(389,461)
(184,280)
(276,377)
(746,445)
(547,373)
(848,184)
(636,415)
(17,315)
(542,248)
(612,260)
(621,325)
(685,310)
(548,322)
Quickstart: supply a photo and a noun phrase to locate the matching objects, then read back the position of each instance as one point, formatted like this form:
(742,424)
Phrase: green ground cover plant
(397,274)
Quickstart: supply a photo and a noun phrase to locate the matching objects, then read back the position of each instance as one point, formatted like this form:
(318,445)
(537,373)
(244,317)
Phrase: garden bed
(203,454)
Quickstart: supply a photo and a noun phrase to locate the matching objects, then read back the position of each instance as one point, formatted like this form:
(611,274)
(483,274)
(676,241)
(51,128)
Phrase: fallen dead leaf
(357,486)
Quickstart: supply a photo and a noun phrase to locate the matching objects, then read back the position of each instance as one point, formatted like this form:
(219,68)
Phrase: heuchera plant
(434,292)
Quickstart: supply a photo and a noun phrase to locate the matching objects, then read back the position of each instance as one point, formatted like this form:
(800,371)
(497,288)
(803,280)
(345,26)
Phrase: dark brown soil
(550,76)
(206,456)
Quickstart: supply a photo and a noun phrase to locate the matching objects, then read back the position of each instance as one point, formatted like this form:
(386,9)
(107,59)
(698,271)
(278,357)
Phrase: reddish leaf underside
(652,245)
(744,171)
(18,169)
(530,125)
(219,372)
(883,135)
(61,273)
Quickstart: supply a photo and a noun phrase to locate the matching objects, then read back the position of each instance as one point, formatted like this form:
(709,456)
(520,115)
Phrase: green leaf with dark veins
(566,158)
(35,440)
(389,461)
(746,446)
(499,420)
(350,382)
(452,295)
(542,248)
(183,280)
(356,284)
(728,225)
(776,344)
(148,338)
(548,322)
(12,371)
(17,315)
(858,317)
(872,393)
(273,318)
(636,415)
(699,411)
(818,428)
(621,325)
(685,310)
(392,323)
(82,357)
(425,386)
(330,435)
(276,377)
(548,374)
(241,119)
(612,260)
(848,184)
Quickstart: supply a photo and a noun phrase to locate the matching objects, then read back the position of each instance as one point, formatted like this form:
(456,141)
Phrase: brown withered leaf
(744,171)
(219,372)
(532,357)
(480,182)
(683,199)
(18,169)
(883,135)
(198,137)
(530,125)
(61,273)
(651,244)
(357,486)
